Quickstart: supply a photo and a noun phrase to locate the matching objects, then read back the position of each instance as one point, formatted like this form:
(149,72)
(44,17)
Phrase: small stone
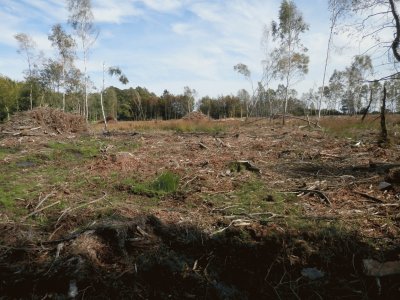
(385,186)
(312,273)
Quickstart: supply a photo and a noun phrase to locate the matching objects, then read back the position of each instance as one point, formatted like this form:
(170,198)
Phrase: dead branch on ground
(69,209)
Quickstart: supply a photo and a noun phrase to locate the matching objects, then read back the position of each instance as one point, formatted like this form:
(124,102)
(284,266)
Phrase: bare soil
(256,207)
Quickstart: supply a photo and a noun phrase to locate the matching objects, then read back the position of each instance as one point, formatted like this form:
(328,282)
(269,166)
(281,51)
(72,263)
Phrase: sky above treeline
(169,44)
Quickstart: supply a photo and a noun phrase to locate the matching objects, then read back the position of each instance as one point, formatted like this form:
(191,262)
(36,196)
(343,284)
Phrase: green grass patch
(5,151)
(255,198)
(166,183)
(16,188)
(127,146)
(77,150)
(21,182)
(30,161)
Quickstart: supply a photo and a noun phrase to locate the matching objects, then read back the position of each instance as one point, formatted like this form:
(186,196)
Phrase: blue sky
(169,44)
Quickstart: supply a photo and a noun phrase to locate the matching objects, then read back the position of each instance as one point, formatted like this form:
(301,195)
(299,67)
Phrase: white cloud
(114,12)
(168,44)
(164,5)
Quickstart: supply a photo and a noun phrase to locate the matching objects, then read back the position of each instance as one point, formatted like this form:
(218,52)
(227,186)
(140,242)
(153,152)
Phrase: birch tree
(292,62)
(250,101)
(189,95)
(26,47)
(81,19)
(336,8)
(112,71)
(269,65)
(65,45)
(378,20)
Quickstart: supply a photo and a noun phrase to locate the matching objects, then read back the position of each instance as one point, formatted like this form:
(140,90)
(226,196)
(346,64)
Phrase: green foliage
(223,107)
(348,88)
(292,62)
(167,182)
(164,184)
(290,55)
(290,21)
(242,69)
(10,97)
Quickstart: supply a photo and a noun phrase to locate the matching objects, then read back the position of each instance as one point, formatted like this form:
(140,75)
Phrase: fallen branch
(319,218)
(237,223)
(252,216)
(203,146)
(42,209)
(189,181)
(369,197)
(69,209)
(378,269)
(330,155)
(44,199)
(315,124)
(223,208)
(12,133)
(318,193)
(221,143)
(68,238)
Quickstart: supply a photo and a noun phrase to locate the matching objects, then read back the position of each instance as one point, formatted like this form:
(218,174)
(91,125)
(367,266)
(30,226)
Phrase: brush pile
(43,121)
(195,116)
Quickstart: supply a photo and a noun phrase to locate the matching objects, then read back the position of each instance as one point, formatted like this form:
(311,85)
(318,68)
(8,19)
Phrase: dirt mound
(195,115)
(109,119)
(146,258)
(42,121)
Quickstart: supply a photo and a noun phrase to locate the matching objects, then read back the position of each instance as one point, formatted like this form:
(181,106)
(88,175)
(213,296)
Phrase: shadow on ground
(144,258)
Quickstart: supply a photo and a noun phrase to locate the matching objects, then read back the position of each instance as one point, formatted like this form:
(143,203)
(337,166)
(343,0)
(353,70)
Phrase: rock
(385,186)
(312,273)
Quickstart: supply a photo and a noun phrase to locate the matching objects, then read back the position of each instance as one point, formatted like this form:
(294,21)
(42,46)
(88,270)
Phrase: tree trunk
(30,96)
(8,113)
(368,107)
(102,103)
(63,95)
(333,24)
(286,101)
(384,134)
(396,41)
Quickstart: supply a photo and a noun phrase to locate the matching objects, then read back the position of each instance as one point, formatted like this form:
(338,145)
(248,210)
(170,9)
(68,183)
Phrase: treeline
(140,104)
(127,104)
(346,93)
(57,82)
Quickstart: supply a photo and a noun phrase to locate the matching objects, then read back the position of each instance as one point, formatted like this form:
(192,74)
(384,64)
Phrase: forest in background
(54,79)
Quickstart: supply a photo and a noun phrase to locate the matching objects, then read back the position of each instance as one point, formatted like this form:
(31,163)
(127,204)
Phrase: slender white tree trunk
(335,15)
(30,96)
(63,83)
(101,101)
(86,86)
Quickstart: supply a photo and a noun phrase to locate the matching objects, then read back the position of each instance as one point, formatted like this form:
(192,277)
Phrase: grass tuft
(166,183)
